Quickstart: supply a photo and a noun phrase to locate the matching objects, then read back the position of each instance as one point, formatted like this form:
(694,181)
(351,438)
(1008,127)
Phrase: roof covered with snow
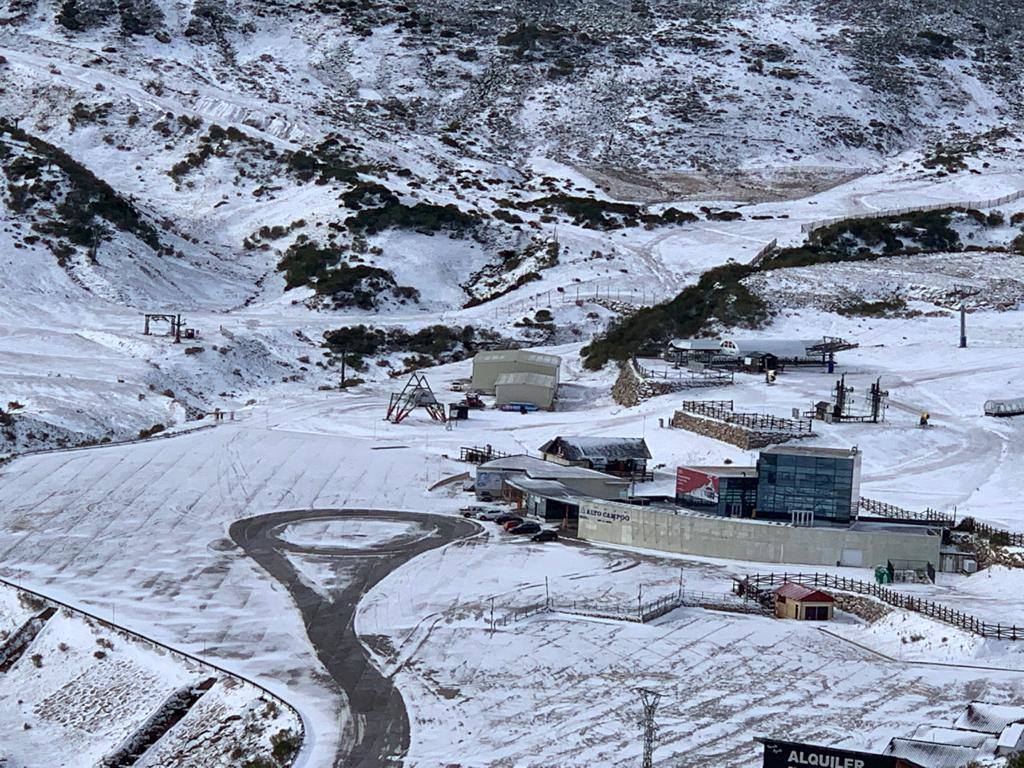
(942,735)
(708,345)
(786,348)
(517,356)
(581,448)
(793,591)
(930,754)
(536,468)
(550,489)
(1012,407)
(989,718)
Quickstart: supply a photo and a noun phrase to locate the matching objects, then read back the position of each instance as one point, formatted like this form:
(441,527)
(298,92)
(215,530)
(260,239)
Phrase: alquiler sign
(789,754)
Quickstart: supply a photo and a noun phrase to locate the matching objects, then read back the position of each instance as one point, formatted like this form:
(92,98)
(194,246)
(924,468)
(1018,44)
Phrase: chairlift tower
(964,292)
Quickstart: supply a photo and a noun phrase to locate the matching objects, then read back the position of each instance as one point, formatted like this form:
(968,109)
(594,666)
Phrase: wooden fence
(480,454)
(759,586)
(1012,197)
(999,535)
(686,378)
(641,611)
(996,536)
(722,410)
(892,512)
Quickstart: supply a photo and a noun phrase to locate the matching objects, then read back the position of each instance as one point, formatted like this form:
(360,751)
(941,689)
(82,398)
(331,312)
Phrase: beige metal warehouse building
(535,388)
(488,366)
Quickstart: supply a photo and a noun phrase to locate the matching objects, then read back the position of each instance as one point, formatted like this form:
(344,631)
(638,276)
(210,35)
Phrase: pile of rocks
(865,607)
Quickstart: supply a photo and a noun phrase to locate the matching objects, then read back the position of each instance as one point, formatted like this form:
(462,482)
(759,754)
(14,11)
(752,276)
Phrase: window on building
(816,612)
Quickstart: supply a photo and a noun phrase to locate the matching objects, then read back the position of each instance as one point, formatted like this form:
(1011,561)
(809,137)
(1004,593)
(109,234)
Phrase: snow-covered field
(140,531)
(81,690)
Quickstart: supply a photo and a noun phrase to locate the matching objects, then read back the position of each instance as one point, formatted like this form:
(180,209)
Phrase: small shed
(620,456)
(534,388)
(795,601)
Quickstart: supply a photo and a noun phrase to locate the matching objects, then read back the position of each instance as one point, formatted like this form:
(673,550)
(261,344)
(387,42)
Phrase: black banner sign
(789,754)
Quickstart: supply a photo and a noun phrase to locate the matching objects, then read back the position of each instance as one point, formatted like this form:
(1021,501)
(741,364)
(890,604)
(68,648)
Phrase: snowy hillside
(341,162)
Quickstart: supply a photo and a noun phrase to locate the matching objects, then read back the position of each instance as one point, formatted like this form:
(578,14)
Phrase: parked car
(513,523)
(504,518)
(525,527)
(546,535)
(472,511)
(519,407)
(490,516)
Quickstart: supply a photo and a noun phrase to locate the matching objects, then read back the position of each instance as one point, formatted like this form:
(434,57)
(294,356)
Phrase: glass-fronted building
(824,482)
(726,491)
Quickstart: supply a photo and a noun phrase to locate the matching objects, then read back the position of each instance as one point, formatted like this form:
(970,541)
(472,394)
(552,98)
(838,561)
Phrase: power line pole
(649,699)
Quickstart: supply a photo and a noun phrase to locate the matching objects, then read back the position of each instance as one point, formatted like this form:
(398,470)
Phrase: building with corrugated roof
(796,601)
(620,456)
(526,388)
(489,366)
(493,480)
(931,754)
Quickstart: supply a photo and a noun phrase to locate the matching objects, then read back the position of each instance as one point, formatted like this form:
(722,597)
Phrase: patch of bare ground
(754,186)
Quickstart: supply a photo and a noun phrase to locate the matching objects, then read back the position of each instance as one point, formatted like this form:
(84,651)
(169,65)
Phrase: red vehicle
(514,522)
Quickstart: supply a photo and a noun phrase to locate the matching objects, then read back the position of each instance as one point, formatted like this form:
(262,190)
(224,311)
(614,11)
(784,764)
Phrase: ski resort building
(810,485)
(516,477)
(619,456)
(489,366)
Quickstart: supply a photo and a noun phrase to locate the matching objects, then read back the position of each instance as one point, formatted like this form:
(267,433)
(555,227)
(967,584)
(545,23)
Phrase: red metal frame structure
(415,394)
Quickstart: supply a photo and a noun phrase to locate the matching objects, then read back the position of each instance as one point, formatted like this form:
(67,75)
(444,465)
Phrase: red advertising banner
(696,485)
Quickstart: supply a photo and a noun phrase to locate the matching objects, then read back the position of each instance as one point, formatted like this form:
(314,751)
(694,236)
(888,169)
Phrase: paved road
(380,736)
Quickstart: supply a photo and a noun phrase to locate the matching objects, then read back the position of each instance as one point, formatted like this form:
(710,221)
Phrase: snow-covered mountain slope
(277,170)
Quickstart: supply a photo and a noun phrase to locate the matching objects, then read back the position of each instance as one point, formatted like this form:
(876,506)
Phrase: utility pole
(649,699)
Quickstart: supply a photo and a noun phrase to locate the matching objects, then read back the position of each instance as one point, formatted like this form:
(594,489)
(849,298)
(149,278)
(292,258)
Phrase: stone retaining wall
(743,438)
(631,388)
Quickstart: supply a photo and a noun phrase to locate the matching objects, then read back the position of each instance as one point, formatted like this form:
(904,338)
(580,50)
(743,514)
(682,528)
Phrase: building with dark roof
(619,456)
(492,479)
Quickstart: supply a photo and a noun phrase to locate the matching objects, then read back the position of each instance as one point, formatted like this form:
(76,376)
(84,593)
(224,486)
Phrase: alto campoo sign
(788,754)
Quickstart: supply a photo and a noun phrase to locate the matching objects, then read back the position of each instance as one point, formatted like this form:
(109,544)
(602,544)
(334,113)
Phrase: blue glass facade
(805,480)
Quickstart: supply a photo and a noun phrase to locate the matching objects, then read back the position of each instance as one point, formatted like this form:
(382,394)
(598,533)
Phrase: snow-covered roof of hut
(989,718)
(930,754)
(783,348)
(694,345)
(583,448)
(518,356)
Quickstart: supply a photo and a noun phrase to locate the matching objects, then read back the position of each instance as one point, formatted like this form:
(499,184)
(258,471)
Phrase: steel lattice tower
(650,700)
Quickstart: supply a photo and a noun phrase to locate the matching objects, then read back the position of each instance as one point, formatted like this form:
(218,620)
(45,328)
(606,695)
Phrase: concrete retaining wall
(758,541)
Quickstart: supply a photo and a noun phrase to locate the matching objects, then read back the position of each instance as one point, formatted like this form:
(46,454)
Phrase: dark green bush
(422,217)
